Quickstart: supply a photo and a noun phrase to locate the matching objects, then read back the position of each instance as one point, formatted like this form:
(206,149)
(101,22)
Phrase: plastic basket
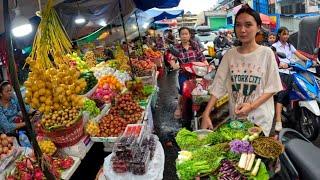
(65,137)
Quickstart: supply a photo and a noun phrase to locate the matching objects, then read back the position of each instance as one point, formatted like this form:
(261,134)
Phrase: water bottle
(24,140)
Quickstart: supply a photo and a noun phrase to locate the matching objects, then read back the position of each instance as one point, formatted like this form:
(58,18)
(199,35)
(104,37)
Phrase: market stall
(235,149)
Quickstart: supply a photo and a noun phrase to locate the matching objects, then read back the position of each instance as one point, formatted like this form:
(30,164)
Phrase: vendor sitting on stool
(10,112)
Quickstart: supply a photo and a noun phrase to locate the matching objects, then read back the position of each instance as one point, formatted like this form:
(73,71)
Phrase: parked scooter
(300,159)
(302,113)
(220,52)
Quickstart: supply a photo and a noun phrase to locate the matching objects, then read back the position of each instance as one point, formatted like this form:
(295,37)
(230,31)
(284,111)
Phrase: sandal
(177,113)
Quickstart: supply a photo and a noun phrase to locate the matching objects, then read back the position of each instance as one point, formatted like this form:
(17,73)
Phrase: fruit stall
(235,149)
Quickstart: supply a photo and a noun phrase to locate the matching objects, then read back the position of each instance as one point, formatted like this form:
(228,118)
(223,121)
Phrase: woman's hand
(243,109)
(206,122)
(175,66)
(283,66)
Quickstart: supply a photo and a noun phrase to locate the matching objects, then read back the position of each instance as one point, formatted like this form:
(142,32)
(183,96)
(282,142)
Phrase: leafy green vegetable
(247,125)
(232,156)
(214,138)
(230,134)
(188,170)
(188,140)
(148,89)
(212,177)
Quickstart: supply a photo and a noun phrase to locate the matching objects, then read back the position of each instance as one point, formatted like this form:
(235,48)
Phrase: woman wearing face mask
(249,74)
(10,113)
(188,51)
(282,45)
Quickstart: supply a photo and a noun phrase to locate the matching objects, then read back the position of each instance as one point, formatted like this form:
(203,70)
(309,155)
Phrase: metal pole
(135,14)
(126,39)
(15,83)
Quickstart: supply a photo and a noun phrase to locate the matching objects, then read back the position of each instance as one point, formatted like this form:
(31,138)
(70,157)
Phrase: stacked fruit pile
(136,88)
(121,61)
(27,168)
(6,145)
(75,61)
(47,147)
(91,107)
(53,89)
(125,111)
(143,67)
(92,128)
(152,54)
(61,118)
(90,59)
(111,81)
(108,87)
(111,126)
(127,108)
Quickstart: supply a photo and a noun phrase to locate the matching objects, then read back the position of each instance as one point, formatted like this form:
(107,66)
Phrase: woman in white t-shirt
(282,45)
(249,74)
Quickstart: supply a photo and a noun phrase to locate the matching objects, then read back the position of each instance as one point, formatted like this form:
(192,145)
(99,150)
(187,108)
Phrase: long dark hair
(3,84)
(280,31)
(248,10)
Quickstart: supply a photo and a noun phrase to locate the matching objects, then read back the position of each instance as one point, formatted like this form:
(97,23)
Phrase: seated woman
(10,112)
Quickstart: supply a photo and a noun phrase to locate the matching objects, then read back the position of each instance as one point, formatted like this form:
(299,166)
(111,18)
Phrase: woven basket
(65,137)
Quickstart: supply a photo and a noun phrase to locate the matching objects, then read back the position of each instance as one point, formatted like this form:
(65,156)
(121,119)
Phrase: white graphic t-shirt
(245,77)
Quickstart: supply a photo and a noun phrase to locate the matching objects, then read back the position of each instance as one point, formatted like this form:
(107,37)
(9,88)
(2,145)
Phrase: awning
(148,4)
(160,14)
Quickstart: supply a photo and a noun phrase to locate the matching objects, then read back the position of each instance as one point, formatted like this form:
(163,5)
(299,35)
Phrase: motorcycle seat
(305,157)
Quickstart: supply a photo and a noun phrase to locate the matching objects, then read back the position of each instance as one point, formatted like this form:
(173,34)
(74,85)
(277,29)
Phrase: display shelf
(66,175)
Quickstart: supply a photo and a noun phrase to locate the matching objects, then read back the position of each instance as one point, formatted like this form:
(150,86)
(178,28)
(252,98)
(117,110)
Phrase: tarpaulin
(160,14)
(148,4)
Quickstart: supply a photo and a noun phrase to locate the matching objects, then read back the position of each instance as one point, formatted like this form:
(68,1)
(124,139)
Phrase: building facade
(187,20)
(294,6)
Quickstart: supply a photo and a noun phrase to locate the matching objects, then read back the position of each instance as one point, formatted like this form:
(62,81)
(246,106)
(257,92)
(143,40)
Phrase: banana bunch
(51,39)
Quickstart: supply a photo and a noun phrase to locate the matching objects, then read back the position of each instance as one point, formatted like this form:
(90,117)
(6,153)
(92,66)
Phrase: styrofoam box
(80,149)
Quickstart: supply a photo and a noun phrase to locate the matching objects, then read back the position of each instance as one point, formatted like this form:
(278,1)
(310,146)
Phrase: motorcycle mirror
(173,50)
(281,55)
(316,51)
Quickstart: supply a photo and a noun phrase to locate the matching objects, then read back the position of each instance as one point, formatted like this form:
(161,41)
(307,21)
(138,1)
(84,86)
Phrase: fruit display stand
(66,175)
(154,170)
(80,149)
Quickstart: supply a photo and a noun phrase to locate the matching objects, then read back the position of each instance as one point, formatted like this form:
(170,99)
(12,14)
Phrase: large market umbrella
(160,14)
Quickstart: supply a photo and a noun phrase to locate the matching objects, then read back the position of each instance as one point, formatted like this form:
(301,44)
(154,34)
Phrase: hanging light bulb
(80,19)
(21,26)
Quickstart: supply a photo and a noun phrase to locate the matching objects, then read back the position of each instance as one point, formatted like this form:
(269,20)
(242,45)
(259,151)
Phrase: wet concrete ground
(164,122)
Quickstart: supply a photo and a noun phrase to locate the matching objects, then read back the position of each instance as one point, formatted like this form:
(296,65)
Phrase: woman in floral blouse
(10,112)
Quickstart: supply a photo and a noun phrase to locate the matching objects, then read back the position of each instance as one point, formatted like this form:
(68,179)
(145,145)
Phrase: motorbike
(300,159)
(220,52)
(303,113)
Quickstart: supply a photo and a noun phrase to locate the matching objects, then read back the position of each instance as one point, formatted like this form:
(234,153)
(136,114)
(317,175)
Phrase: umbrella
(265,19)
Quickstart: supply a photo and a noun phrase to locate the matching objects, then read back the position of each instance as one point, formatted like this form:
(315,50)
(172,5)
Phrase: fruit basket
(68,136)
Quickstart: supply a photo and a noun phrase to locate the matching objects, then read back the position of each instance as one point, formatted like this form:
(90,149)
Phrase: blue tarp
(148,4)
(160,14)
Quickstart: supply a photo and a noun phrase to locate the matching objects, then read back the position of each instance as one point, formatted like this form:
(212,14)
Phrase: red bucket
(65,137)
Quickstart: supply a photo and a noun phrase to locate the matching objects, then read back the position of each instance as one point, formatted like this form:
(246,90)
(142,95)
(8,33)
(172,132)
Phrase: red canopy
(265,19)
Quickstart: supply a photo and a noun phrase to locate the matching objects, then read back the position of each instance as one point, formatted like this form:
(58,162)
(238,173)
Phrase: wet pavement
(165,124)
